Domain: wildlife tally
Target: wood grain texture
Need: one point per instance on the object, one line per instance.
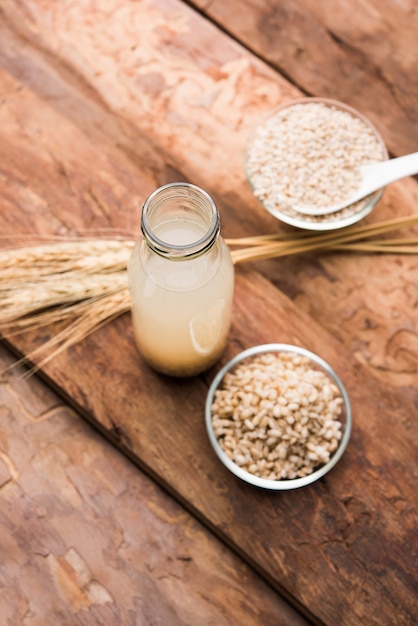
(363, 53)
(335, 534)
(97, 111)
(86, 538)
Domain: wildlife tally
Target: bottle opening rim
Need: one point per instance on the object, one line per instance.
(191, 193)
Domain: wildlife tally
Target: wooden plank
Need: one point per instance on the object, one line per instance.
(93, 540)
(363, 53)
(336, 533)
(332, 535)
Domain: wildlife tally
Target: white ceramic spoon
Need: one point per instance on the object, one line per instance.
(373, 177)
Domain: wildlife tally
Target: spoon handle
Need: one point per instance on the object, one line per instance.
(380, 174)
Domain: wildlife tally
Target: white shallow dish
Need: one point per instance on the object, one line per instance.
(284, 484)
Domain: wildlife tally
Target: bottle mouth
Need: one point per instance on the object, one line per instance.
(177, 202)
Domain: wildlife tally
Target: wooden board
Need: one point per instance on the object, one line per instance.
(90, 539)
(176, 106)
(363, 53)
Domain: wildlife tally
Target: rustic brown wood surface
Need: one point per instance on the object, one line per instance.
(363, 52)
(153, 92)
(86, 538)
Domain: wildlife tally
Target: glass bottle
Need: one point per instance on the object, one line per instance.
(181, 280)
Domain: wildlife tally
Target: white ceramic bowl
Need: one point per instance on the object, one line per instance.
(283, 484)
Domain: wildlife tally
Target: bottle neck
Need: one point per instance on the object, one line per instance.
(180, 221)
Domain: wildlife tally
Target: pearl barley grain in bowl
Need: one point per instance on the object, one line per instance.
(278, 416)
(306, 153)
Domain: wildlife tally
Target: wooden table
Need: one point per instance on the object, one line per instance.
(102, 102)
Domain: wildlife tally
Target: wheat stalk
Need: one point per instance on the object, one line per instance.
(273, 246)
(82, 283)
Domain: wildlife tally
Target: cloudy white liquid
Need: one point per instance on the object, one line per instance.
(181, 309)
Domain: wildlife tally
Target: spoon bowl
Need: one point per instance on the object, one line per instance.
(371, 177)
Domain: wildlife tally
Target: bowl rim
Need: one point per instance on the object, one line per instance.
(299, 221)
(265, 483)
